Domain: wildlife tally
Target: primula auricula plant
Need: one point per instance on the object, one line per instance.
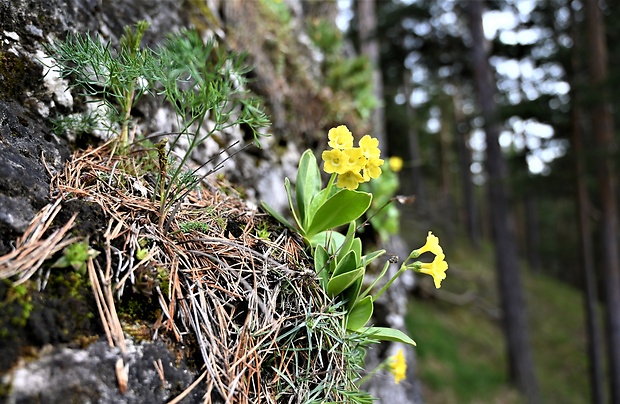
(338, 258)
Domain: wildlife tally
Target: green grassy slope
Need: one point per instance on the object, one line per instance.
(460, 345)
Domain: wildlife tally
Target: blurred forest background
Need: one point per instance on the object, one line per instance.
(504, 113)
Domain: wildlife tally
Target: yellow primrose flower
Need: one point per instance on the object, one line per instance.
(356, 160)
(398, 366)
(370, 147)
(436, 269)
(349, 180)
(336, 161)
(432, 245)
(395, 163)
(371, 169)
(340, 138)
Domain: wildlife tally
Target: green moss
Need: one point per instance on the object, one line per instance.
(17, 75)
(164, 279)
(15, 306)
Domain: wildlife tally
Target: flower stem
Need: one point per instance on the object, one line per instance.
(402, 269)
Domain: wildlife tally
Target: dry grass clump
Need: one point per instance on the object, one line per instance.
(226, 277)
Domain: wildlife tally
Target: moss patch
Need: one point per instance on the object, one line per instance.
(17, 75)
(62, 312)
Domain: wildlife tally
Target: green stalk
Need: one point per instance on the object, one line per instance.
(402, 269)
(369, 288)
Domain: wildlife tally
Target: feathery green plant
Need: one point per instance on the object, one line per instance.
(115, 77)
(201, 81)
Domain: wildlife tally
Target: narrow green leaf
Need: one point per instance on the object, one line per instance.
(287, 186)
(308, 184)
(277, 215)
(348, 241)
(386, 334)
(338, 283)
(339, 209)
(368, 258)
(360, 314)
(321, 265)
(356, 246)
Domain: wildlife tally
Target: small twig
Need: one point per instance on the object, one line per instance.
(159, 368)
(191, 387)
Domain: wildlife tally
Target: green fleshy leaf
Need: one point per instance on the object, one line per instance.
(307, 186)
(360, 314)
(331, 240)
(339, 209)
(321, 265)
(386, 334)
(321, 197)
(351, 293)
(347, 242)
(346, 273)
(338, 283)
(347, 264)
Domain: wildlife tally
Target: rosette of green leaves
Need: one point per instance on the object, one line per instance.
(341, 268)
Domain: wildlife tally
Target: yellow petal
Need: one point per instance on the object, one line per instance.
(340, 138)
(335, 161)
(370, 147)
(349, 180)
(432, 245)
(437, 269)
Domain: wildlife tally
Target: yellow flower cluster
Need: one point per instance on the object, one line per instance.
(437, 269)
(353, 165)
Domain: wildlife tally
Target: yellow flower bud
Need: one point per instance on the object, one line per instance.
(398, 366)
(395, 163)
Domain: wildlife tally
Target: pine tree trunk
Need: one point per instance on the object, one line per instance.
(472, 224)
(515, 323)
(370, 48)
(417, 186)
(602, 126)
(590, 297)
(532, 231)
(588, 270)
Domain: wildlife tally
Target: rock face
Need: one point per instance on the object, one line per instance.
(53, 327)
(89, 376)
(26, 145)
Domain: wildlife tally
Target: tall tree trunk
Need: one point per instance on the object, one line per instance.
(447, 204)
(472, 225)
(590, 298)
(417, 186)
(532, 231)
(588, 271)
(515, 323)
(370, 48)
(602, 125)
